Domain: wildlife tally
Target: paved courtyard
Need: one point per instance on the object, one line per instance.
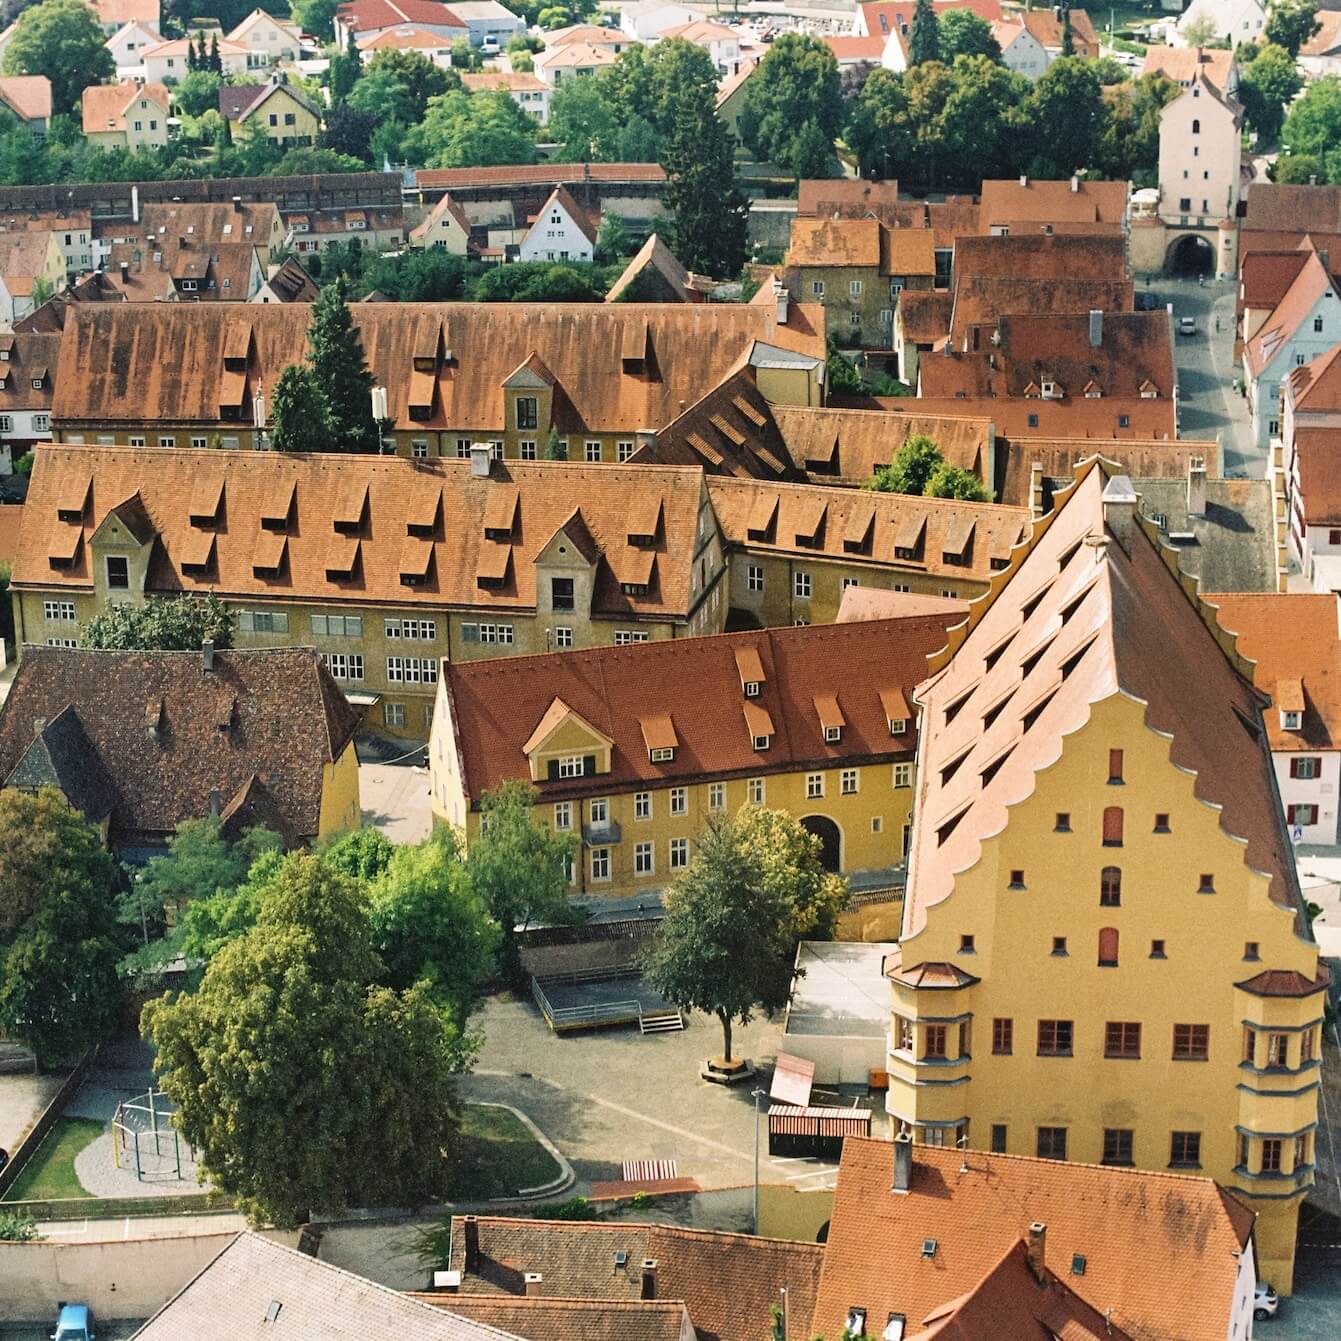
(395, 798)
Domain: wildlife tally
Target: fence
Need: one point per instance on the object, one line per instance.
(562, 1018)
(25, 1149)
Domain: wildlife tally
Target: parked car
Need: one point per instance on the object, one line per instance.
(1265, 1302)
(489, 47)
(74, 1322)
(1187, 325)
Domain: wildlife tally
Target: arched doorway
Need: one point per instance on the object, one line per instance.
(831, 840)
(1191, 254)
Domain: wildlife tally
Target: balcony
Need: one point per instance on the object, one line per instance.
(606, 834)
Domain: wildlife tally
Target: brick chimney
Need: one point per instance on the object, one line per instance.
(1038, 1242)
(470, 1230)
(534, 1282)
(207, 655)
(903, 1163)
(1196, 487)
(649, 1286)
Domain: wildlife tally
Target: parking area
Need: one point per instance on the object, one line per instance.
(41, 1331)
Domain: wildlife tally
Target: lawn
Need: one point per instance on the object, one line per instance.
(50, 1173)
(499, 1156)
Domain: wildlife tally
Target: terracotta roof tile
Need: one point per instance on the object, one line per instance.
(23, 257)
(286, 719)
(408, 38)
(1316, 387)
(29, 357)
(1047, 29)
(104, 105)
(1287, 208)
(1318, 461)
(1161, 1250)
(1286, 982)
(1327, 39)
(834, 242)
(362, 15)
(1053, 202)
(1300, 299)
(655, 268)
(541, 1319)
(264, 486)
(1133, 630)
(1182, 64)
(27, 96)
(924, 315)
(504, 708)
(127, 11)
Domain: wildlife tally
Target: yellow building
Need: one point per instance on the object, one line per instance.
(1105, 955)
(128, 115)
(281, 111)
(636, 748)
(140, 741)
(604, 378)
(385, 565)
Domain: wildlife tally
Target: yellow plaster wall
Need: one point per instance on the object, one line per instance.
(340, 807)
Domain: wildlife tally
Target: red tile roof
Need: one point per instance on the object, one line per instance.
(27, 96)
(104, 105)
(1300, 299)
(1160, 1249)
(1315, 388)
(1318, 461)
(1052, 202)
(1130, 628)
(1265, 276)
(542, 1319)
(899, 13)
(1181, 64)
(499, 706)
(1286, 982)
(30, 358)
(1286, 208)
(361, 15)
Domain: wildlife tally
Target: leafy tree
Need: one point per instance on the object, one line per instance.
(924, 40)
(1066, 111)
(1297, 169)
(1313, 125)
(1290, 23)
(585, 121)
(949, 481)
(59, 942)
(60, 39)
(912, 468)
(361, 853)
(306, 159)
(519, 868)
(1129, 143)
(299, 414)
(522, 63)
(348, 131)
(429, 925)
(465, 56)
(207, 924)
(613, 242)
(682, 74)
(1267, 85)
(419, 276)
(417, 76)
(162, 624)
(345, 68)
(753, 888)
(556, 448)
(198, 93)
(1068, 33)
(303, 1085)
(314, 16)
(216, 63)
(795, 85)
(964, 33)
(709, 215)
(1201, 32)
(844, 379)
(461, 130)
(340, 371)
(979, 118)
(541, 281)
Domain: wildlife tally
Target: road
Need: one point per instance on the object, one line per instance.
(1206, 372)
(41, 1331)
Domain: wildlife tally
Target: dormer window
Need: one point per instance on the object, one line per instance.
(570, 767)
(833, 734)
(664, 755)
(633, 588)
(1291, 721)
(751, 688)
(898, 726)
(762, 742)
(856, 1322)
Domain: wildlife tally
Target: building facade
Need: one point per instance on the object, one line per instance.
(1097, 825)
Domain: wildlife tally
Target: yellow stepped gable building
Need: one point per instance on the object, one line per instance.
(1105, 955)
(636, 748)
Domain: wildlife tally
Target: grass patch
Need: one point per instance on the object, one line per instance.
(50, 1173)
(499, 1156)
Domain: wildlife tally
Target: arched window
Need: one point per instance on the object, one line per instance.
(1113, 826)
(1108, 947)
(1110, 887)
(1196, 128)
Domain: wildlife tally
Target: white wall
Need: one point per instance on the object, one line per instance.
(555, 237)
(1201, 167)
(1320, 791)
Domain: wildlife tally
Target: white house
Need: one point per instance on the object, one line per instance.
(431, 46)
(27, 382)
(645, 20)
(1200, 139)
(614, 40)
(112, 15)
(1238, 20)
(1321, 54)
(269, 41)
(1305, 324)
(561, 232)
(1311, 438)
(445, 227)
(1293, 639)
(1021, 51)
(128, 45)
(167, 62)
(488, 20)
(720, 42)
(572, 61)
(528, 91)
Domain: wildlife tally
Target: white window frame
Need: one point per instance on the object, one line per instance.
(642, 805)
(679, 800)
(850, 781)
(679, 853)
(754, 577)
(644, 858)
(563, 816)
(716, 796)
(814, 786)
(801, 585)
(756, 789)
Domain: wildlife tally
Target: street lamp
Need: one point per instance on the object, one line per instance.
(758, 1094)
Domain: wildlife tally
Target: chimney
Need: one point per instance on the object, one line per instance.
(903, 1163)
(1038, 1242)
(1024, 179)
(649, 1289)
(1096, 328)
(1075, 185)
(1120, 509)
(216, 801)
(237, 204)
(1036, 489)
(207, 655)
(470, 1228)
(781, 297)
(39, 725)
(534, 1280)
(481, 459)
(125, 270)
(1196, 487)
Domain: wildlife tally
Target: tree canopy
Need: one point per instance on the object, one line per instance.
(462, 130)
(924, 40)
(302, 1084)
(340, 372)
(59, 941)
(1290, 23)
(709, 215)
(60, 39)
(1268, 84)
(792, 102)
(964, 33)
(162, 624)
(920, 468)
(753, 889)
(1313, 125)
(299, 415)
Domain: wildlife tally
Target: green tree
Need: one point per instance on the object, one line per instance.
(585, 122)
(415, 78)
(429, 925)
(1068, 33)
(1313, 125)
(613, 242)
(1201, 32)
(307, 159)
(361, 853)
(709, 215)
(345, 68)
(299, 414)
(210, 922)
(162, 624)
(912, 468)
(59, 942)
(1129, 143)
(1290, 23)
(302, 1084)
(1267, 86)
(419, 276)
(60, 39)
(1297, 169)
(216, 63)
(315, 17)
(978, 121)
(461, 130)
(541, 281)
(198, 93)
(924, 41)
(753, 889)
(519, 867)
(348, 131)
(681, 74)
(795, 85)
(964, 33)
(949, 481)
(1065, 110)
(465, 56)
(844, 379)
(340, 372)
(556, 447)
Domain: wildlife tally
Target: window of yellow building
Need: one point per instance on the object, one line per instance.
(642, 859)
(814, 786)
(679, 853)
(849, 780)
(717, 796)
(563, 815)
(755, 787)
